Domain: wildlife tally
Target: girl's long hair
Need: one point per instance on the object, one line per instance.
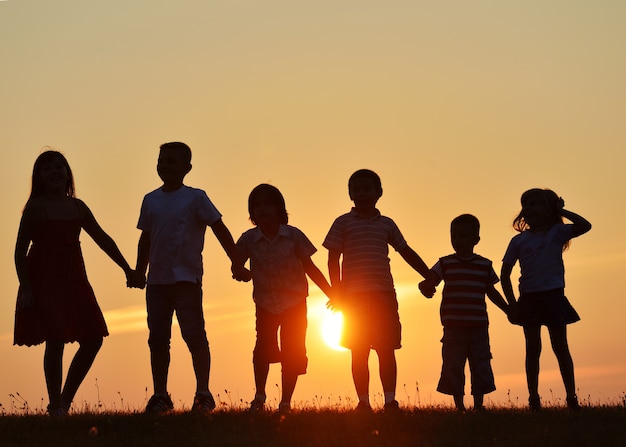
(552, 202)
(49, 156)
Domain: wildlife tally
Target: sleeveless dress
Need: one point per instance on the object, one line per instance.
(64, 305)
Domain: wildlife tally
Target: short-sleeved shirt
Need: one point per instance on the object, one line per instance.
(465, 285)
(276, 265)
(176, 222)
(364, 245)
(540, 255)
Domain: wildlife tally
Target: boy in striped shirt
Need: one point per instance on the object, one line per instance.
(467, 278)
(360, 239)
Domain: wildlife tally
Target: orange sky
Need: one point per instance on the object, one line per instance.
(458, 107)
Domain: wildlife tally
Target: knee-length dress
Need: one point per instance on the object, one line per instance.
(64, 305)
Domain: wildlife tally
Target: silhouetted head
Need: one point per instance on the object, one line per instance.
(264, 197)
(365, 188)
(46, 161)
(540, 208)
(174, 163)
(464, 234)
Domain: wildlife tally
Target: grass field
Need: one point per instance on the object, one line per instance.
(602, 426)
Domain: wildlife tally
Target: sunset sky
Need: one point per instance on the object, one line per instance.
(459, 106)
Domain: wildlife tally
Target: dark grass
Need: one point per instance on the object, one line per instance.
(432, 427)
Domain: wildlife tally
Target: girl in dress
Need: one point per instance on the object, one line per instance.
(55, 302)
(539, 249)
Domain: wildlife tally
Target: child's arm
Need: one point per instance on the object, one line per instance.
(28, 223)
(317, 276)
(103, 240)
(507, 286)
(415, 261)
(496, 298)
(143, 258)
(225, 238)
(334, 268)
(580, 224)
(334, 273)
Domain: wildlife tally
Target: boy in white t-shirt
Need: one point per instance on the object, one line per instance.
(173, 221)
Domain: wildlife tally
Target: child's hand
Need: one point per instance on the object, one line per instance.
(135, 280)
(512, 313)
(240, 273)
(427, 288)
(334, 302)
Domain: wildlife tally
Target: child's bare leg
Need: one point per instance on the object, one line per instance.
(388, 370)
(289, 381)
(261, 370)
(533, 351)
(361, 373)
(558, 338)
(81, 363)
(201, 360)
(478, 401)
(458, 402)
(53, 370)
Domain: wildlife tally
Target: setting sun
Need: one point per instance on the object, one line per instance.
(332, 326)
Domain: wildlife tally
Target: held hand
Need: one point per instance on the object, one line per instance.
(241, 274)
(135, 280)
(427, 288)
(512, 313)
(334, 302)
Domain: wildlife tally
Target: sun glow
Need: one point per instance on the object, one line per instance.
(332, 325)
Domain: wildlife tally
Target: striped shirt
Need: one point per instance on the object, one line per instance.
(466, 282)
(364, 245)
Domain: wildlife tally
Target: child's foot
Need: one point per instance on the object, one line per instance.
(534, 404)
(257, 405)
(159, 404)
(60, 410)
(363, 407)
(572, 403)
(392, 407)
(203, 402)
(284, 408)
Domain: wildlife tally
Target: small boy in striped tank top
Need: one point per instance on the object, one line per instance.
(467, 278)
(358, 263)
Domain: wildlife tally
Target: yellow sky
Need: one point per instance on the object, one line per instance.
(459, 106)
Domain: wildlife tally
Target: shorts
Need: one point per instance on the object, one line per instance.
(547, 308)
(184, 298)
(371, 321)
(288, 327)
(461, 344)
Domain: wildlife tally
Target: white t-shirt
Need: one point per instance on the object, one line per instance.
(176, 222)
(540, 256)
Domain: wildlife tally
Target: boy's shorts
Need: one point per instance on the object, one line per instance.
(461, 344)
(371, 321)
(292, 350)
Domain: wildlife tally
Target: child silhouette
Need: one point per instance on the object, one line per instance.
(56, 303)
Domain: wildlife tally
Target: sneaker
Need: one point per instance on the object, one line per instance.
(363, 407)
(159, 404)
(534, 403)
(61, 410)
(284, 408)
(391, 407)
(572, 403)
(257, 405)
(203, 402)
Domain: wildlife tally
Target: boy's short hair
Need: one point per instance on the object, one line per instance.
(274, 196)
(181, 148)
(368, 175)
(467, 219)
